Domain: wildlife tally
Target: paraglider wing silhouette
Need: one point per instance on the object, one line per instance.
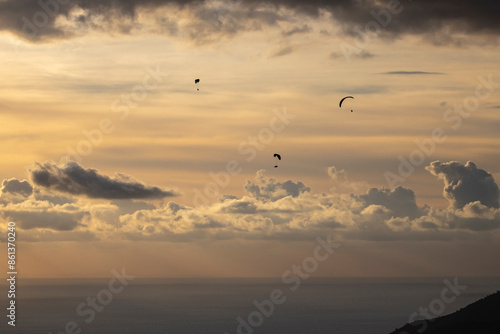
(341, 101)
(196, 81)
(276, 155)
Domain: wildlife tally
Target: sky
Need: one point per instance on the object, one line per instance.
(112, 156)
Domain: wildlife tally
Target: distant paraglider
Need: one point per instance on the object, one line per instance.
(276, 155)
(196, 81)
(341, 101)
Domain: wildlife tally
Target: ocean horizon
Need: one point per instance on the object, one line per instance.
(221, 305)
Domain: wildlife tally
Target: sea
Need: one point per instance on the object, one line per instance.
(236, 305)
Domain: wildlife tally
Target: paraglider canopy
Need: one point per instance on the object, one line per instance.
(196, 81)
(341, 101)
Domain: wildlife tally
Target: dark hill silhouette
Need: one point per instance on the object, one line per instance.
(481, 317)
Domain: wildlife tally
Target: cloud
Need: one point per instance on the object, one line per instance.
(464, 184)
(289, 210)
(270, 190)
(342, 183)
(283, 51)
(273, 210)
(440, 21)
(59, 221)
(412, 73)
(41, 195)
(32, 214)
(128, 206)
(363, 54)
(401, 201)
(297, 30)
(202, 21)
(16, 187)
(477, 217)
(73, 179)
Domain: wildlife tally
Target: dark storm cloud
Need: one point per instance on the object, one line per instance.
(16, 187)
(75, 180)
(465, 184)
(34, 19)
(441, 21)
(437, 19)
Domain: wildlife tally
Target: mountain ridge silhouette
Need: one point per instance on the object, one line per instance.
(480, 317)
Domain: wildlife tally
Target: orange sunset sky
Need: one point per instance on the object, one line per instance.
(112, 156)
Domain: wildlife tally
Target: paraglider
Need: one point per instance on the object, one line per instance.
(195, 82)
(341, 101)
(276, 155)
